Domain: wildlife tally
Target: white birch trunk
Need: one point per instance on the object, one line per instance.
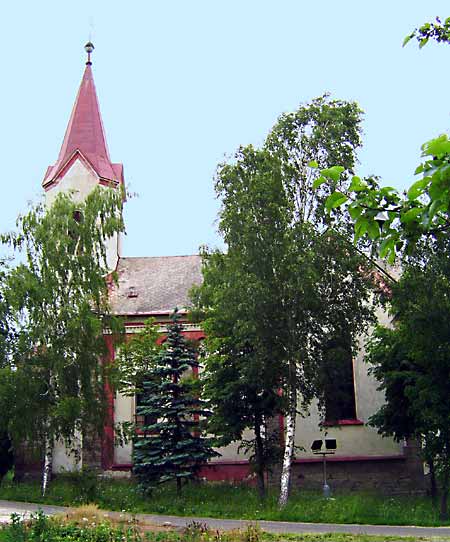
(48, 463)
(288, 448)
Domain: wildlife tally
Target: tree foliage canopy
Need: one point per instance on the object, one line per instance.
(394, 221)
(289, 280)
(52, 381)
(412, 361)
(390, 220)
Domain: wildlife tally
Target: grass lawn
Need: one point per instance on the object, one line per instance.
(227, 501)
(74, 534)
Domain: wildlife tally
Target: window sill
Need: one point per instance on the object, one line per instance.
(341, 423)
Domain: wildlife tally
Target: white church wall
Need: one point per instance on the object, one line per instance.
(368, 398)
(78, 179)
(352, 440)
(232, 452)
(124, 408)
(65, 460)
(357, 440)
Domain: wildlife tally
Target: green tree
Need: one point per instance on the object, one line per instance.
(58, 302)
(412, 361)
(134, 360)
(241, 385)
(6, 339)
(289, 281)
(438, 31)
(6, 455)
(172, 445)
(393, 222)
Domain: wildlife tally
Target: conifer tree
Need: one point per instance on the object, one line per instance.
(172, 445)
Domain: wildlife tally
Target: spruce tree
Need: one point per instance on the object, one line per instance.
(171, 445)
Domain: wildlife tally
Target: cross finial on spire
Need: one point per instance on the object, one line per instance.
(89, 47)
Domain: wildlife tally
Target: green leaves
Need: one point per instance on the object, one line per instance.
(319, 182)
(172, 445)
(437, 147)
(411, 215)
(361, 227)
(408, 39)
(333, 172)
(438, 31)
(357, 185)
(411, 360)
(417, 189)
(387, 246)
(336, 199)
(422, 210)
(373, 230)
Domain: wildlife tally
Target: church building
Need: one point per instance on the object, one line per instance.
(154, 286)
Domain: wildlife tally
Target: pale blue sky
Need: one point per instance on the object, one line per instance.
(181, 84)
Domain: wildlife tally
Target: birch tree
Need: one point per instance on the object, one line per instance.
(289, 279)
(58, 302)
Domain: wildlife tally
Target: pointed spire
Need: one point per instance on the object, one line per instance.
(85, 134)
(89, 47)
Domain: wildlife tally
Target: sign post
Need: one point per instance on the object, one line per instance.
(324, 447)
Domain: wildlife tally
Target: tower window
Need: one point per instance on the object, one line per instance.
(78, 216)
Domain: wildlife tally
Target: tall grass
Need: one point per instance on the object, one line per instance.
(228, 501)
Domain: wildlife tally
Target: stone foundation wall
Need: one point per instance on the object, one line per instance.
(390, 476)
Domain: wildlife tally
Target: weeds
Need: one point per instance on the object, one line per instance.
(43, 529)
(228, 501)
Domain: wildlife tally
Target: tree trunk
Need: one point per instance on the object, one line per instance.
(444, 493)
(48, 463)
(433, 484)
(259, 460)
(444, 498)
(178, 486)
(288, 447)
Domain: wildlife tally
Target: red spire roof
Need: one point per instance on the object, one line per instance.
(85, 136)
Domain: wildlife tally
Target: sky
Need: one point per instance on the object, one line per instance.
(182, 84)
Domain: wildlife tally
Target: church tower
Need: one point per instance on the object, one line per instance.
(83, 161)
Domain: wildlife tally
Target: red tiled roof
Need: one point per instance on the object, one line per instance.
(85, 134)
